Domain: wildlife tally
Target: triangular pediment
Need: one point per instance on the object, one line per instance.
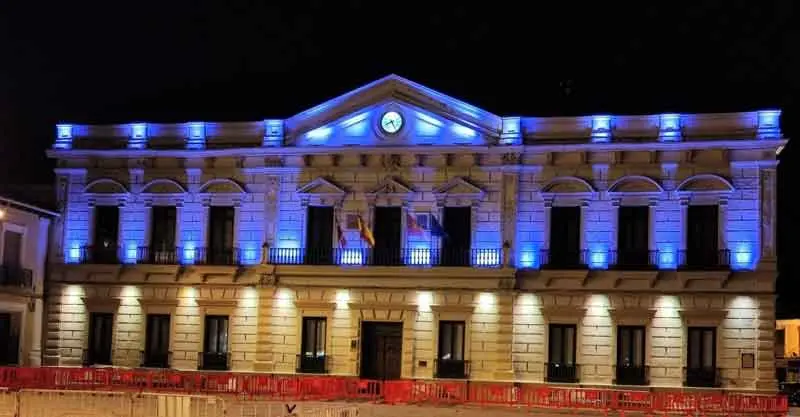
(397, 90)
(459, 187)
(390, 186)
(321, 187)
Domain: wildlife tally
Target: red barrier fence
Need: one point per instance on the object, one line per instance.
(340, 388)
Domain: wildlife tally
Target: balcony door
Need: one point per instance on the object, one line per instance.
(319, 236)
(105, 247)
(220, 249)
(215, 343)
(565, 237)
(702, 236)
(156, 353)
(388, 234)
(457, 240)
(162, 236)
(633, 242)
(12, 250)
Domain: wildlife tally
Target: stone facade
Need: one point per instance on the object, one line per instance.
(510, 172)
(24, 238)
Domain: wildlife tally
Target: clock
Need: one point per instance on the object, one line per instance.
(391, 122)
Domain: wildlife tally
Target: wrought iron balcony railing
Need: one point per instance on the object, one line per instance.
(633, 259)
(561, 372)
(467, 257)
(703, 377)
(213, 256)
(632, 375)
(158, 255)
(452, 368)
(16, 277)
(704, 259)
(558, 259)
(307, 364)
(213, 361)
(102, 254)
(96, 357)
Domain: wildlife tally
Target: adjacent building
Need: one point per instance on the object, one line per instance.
(396, 232)
(24, 238)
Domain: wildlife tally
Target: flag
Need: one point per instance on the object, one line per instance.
(412, 225)
(340, 232)
(436, 228)
(366, 234)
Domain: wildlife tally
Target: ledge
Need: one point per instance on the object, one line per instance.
(217, 303)
(158, 303)
(382, 306)
(101, 303)
(452, 309)
(314, 304)
(631, 315)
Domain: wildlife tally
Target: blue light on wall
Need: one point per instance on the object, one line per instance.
(426, 125)
(528, 258)
(352, 256)
(743, 258)
(601, 128)
(598, 258)
(196, 135)
(419, 256)
(667, 258)
(138, 136)
(273, 132)
(73, 254)
(189, 253)
(319, 135)
(130, 252)
(512, 132)
(486, 257)
(250, 255)
(63, 136)
(669, 129)
(769, 125)
(463, 131)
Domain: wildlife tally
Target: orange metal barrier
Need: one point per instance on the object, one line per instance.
(342, 388)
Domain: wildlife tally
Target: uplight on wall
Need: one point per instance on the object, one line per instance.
(63, 136)
(598, 258)
(601, 128)
(669, 129)
(196, 135)
(138, 136)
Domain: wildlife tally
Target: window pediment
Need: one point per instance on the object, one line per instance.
(105, 186)
(163, 186)
(567, 185)
(390, 187)
(705, 183)
(459, 188)
(321, 190)
(222, 186)
(635, 185)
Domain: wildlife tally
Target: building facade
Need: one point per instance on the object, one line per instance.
(396, 232)
(24, 239)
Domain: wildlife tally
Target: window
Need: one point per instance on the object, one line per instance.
(457, 239)
(631, 368)
(156, 353)
(312, 357)
(702, 236)
(12, 249)
(565, 237)
(9, 334)
(780, 343)
(105, 247)
(319, 236)
(100, 334)
(388, 234)
(702, 357)
(562, 346)
(632, 237)
(450, 362)
(162, 236)
(220, 249)
(215, 343)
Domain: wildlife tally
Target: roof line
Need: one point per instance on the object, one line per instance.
(12, 202)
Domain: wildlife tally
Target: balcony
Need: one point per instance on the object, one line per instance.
(699, 260)
(703, 377)
(213, 361)
(106, 254)
(633, 259)
(216, 256)
(387, 257)
(16, 277)
(561, 372)
(549, 259)
(158, 256)
(307, 364)
(632, 375)
(452, 368)
(155, 359)
(92, 357)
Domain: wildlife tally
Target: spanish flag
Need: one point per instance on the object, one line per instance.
(366, 234)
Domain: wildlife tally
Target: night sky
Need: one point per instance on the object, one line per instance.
(177, 61)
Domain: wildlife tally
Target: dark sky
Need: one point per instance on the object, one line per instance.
(177, 61)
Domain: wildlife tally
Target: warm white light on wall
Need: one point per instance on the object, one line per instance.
(2, 214)
(743, 302)
(284, 298)
(130, 293)
(424, 300)
(249, 297)
(487, 301)
(342, 298)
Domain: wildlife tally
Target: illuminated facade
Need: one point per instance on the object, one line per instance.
(631, 250)
(24, 238)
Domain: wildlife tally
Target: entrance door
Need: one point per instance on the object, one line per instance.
(156, 352)
(100, 334)
(9, 349)
(381, 350)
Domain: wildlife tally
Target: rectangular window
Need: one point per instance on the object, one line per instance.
(562, 344)
(215, 343)
(780, 343)
(100, 337)
(701, 357)
(312, 357)
(702, 236)
(633, 242)
(631, 368)
(12, 249)
(450, 362)
(457, 241)
(9, 334)
(156, 353)
(388, 234)
(565, 237)
(319, 236)
(105, 247)
(162, 236)
(220, 249)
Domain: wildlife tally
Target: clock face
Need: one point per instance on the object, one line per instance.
(391, 122)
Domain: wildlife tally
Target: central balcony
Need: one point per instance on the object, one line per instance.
(16, 277)
(481, 258)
